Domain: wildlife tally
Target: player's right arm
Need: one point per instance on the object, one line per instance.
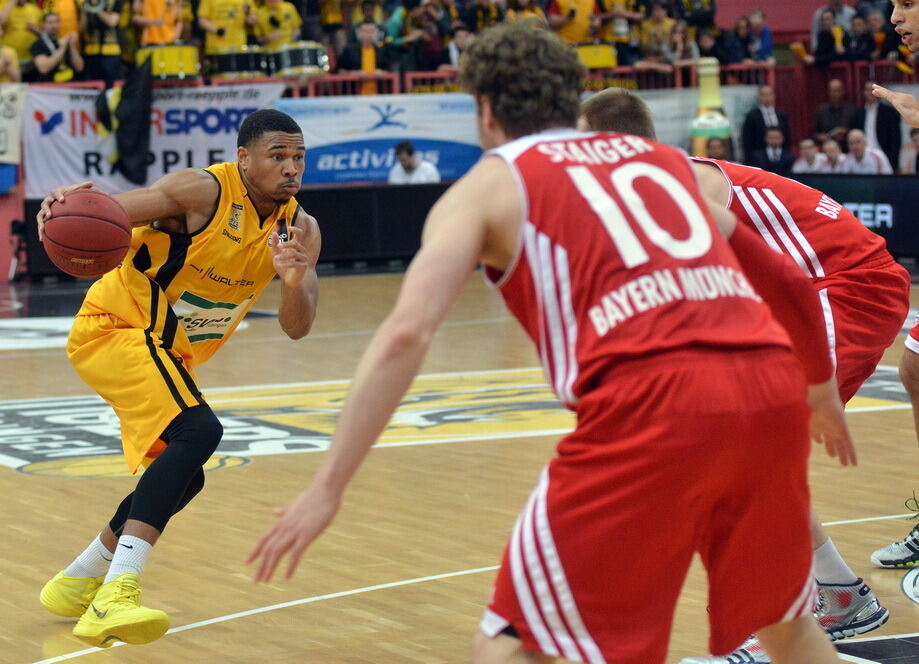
(191, 192)
(907, 105)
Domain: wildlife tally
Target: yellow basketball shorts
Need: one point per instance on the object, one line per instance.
(146, 381)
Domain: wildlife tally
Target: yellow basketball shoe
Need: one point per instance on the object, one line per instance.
(69, 596)
(115, 614)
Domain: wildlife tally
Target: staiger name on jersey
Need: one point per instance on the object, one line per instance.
(595, 150)
(661, 287)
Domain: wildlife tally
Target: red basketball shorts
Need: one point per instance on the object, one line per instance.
(864, 311)
(689, 451)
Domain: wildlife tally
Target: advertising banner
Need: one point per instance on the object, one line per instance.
(352, 139)
(190, 128)
(12, 101)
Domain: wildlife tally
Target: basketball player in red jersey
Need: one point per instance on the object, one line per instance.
(905, 17)
(864, 295)
(607, 254)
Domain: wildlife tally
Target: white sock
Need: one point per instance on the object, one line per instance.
(94, 561)
(830, 567)
(130, 556)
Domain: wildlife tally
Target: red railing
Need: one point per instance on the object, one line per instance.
(431, 81)
(351, 84)
(633, 78)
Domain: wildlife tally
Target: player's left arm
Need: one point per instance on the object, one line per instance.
(453, 242)
(295, 261)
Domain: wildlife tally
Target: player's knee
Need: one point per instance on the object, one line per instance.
(198, 431)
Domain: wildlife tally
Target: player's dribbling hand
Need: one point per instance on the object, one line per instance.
(57, 194)
(299, 525)
(906, 104)
(828, 422)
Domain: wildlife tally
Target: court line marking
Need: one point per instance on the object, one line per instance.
(283, 605)
(870, 518)
(881, 638)
(856, 660)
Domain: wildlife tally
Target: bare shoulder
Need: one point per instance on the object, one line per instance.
(489, 190)
(711, 181)
(306, 221)
(194, 189)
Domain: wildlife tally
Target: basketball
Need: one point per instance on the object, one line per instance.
(87, 234)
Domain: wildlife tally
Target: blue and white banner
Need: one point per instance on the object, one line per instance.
(352, 139)
(189, 128)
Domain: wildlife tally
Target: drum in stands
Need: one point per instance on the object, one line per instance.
(597, 55)
(237, 62)
(171, 61)
(296, 58)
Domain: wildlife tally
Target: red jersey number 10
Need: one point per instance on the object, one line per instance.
(622, 232)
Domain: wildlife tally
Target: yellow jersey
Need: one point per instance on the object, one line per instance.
(16, 32)
(286, 19)
(229, 15)
(209, 278)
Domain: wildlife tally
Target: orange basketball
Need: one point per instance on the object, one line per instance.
(88, 234)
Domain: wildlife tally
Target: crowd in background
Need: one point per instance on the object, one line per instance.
(63, 40)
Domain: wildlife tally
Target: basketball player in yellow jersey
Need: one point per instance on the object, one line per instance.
(205, 244)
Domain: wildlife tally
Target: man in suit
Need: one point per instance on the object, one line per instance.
(881, 124)
(775, 157)
(765, 115)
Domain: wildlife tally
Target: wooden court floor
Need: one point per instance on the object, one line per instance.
(404, 572)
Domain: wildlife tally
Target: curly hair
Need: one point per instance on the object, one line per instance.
(531, 78)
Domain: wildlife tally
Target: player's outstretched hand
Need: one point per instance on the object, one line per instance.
(828, 422)
(906, 104)
(291, 258)
(57, 194)
(300, 524)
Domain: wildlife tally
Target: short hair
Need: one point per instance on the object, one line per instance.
(805, 140)
(368, 21)
(47, 14)
(775, 128)
(531, 79)
(615, 109)
(405, 147)
(263, 121)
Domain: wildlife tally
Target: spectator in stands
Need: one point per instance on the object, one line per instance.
(449, 12)
(833, 42)
(909, 155)
(224, 23)
(886, 41)
(411, 168)
(69, 13)
(435, 26)
(834, 118)
(405, 31)
(517, 9)
(655, 30)
(698, 14)
(881, 124)
(159, 21)
(864, 160)
(619, 21)
(460, 41)
(56, 58)
(775, 157)
(717, 148)
(332, 22)
(278, 24)
(765, 114)
(680, 50)
(835, 159)
(842, 15)
(367, 10)
(10, 72)
(481, 14)
(21, 22)
(811, 159)
(367, 56)
(653, 60)
(574, 20)
(710, 48)
(861, 44)
(738, 42)
(101, 39)
(762, 38)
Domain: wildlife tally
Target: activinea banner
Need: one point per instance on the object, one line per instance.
(352, 139)
(190, 128)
